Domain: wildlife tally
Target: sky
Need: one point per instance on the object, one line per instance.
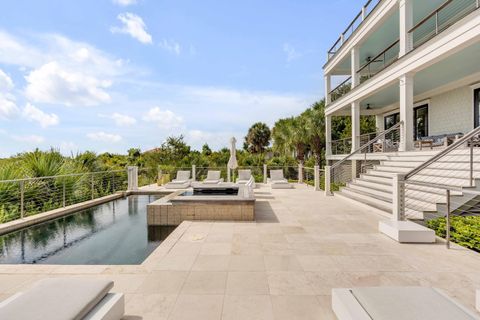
(109, 75)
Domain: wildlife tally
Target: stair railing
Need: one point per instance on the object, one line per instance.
(423, 192)
(355, 163)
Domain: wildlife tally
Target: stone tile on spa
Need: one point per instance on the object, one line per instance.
(186, 249)
(247, 283)
(166, 282)
(257, 307)
(289, 283)
(153, 304)
(176, 263)
(216, 248)
(196, 307)
(296, 308)
(246, 263)
(211, 263)
(205, 282)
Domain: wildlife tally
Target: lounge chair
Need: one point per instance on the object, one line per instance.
(181, 182)
(65, 298)
(397, 303)
(213, 177)
(245, 176)
(277, 181)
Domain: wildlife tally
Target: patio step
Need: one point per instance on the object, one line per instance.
(368, 199)
(374, 178)
(385, 194)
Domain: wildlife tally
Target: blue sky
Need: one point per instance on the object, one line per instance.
(107, 75)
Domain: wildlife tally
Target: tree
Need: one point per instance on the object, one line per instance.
(315, 125)
(258, 138)
(206, 150)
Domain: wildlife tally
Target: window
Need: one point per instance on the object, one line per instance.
(391, 120)
(476, 107)
(420, 121)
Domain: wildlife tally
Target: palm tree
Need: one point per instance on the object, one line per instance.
(258, 137)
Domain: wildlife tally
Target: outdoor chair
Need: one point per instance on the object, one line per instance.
(213, 177)
(181, 182)
(65, 298)
(441, 140)
(245, 176)
(385, 145)
(397, 303)
(277, 180)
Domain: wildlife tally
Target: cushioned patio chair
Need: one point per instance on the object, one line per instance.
(181, 182)
(65, 298)
(245, 176)
(277, 180)
(397, 303)
(213, 177)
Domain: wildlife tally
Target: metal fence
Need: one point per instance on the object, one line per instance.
(25, 197)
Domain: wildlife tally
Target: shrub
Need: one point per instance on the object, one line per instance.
(463, 230)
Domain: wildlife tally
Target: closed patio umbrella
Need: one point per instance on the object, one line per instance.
(232, 162)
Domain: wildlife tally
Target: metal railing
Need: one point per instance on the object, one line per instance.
(440, 19)
(357, 162)
(352, 27)
(344, 146)
(380, 62)
(20, 198)
(455, 168)
(342, 89)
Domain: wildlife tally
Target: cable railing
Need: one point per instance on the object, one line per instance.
(350, 167)
(455, 168)
(20, 198)
(344, 146)
(440, 19)
(352, 27)
(380, 62)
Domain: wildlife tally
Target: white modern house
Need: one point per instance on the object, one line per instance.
(415, 66)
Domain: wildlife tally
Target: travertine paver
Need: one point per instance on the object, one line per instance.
(283, 266)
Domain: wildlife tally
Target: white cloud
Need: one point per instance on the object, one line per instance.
(291, 52)
(134, 26)
(29, 138)
(165, 119)
(124, 3)
(170, 46)
(68, 147)
(52, 83)
(32, 113)
(8, 107)
(121, 120)
(104, 137)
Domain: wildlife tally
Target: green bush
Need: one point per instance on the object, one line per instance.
(463, 230)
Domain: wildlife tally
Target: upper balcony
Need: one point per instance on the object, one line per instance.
(381, 45)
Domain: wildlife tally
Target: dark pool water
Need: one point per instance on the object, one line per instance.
(112, 233)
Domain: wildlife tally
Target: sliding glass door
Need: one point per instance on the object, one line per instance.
(420, 121)
(476, 106)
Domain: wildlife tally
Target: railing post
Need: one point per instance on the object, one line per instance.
(22, 195)
(471, 163)
(300, 173)
(63, 193)
(113, 182)
(93, 187)
(328, 187)
(447, 221)
(364, 13)
(194, 172)
(398, 199)
(229, 175)
(132, 178)
(264, 173)
(316, 177)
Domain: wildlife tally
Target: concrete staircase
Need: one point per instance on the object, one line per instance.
(374, 187)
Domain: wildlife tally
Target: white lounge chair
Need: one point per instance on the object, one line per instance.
(245, 176)
(213, 177)
(277, 180)
(397, 303)
(181, 182)
(65, 298)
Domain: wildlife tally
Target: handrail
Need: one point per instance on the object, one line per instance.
(360, 136)
(378, 55)
(439, 155)
(341, 84)
(61, 176)
(434, 12)
(381, 134)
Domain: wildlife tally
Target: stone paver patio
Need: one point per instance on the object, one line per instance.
(283, 266)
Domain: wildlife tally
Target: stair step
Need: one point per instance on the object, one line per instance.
(375, 178)
(371, 201)
(378, 185)
(371, 191)
(392, 169)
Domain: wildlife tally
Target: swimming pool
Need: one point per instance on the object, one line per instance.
(112, 233)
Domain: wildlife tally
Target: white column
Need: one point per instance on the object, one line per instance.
(406, 23)
(132, 178)
(398, 197)
(328, 88)
(379, 122)
(328, 191)
(406, 112)
(355, 65)
(316, 177)
(355, 125)
(328, 135)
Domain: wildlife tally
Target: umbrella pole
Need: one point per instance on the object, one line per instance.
(228, 175)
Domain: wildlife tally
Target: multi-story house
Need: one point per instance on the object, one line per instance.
(415, 66)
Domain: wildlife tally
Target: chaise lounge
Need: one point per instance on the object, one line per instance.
(397, 303)
(277, 180)
(181, 182)
(245, 176)
(65, 298)
(213, 177)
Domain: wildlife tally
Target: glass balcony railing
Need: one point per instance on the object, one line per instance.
(342, 89)
(379, 62)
